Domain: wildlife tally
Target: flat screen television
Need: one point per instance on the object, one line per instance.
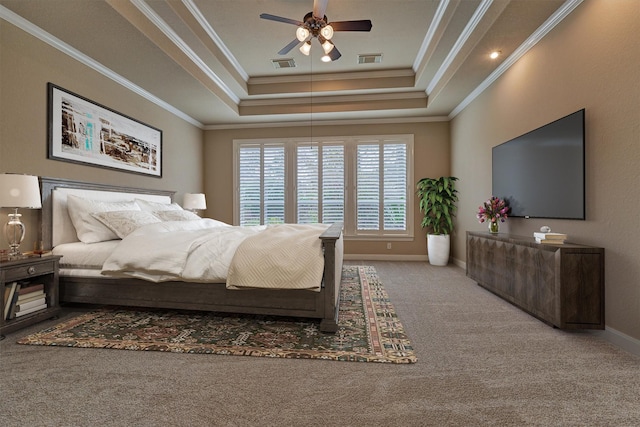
(541, 174)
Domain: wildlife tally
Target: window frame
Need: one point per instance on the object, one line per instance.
(350, 170)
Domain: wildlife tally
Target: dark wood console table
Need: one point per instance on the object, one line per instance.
(562, 285)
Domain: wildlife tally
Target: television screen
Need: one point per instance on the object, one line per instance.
(541, 173)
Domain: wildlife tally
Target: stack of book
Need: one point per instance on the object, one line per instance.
(21, 299)
(550, 238)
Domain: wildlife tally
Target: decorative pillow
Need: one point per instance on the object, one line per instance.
(147, 205)
(88, 228)
(124, 223)
(176, 215)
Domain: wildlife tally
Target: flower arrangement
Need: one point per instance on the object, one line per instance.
(493, 210)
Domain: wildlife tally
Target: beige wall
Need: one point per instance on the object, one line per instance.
(26, 65)
(431, 158)
(590, 60)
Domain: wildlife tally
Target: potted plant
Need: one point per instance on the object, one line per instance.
(438, 199)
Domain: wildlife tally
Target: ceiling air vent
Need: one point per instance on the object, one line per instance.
(370, 58)
(283, 63)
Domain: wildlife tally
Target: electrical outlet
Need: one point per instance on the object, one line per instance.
(388, 245)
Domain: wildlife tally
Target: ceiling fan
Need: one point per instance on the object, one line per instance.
(316, 25)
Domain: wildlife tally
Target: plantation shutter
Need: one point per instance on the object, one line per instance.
(333, 183)
(320, 183)
(368, 187)
(381, 188)
(308, 184)
(295, 180)
(261, 184)
(395, 186)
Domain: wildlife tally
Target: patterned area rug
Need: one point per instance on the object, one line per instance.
(369, 329)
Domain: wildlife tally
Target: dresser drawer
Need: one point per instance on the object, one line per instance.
(21, 272)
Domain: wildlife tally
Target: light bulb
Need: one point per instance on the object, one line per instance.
(494, 54)
(327, 46)
(326, 58)
(327, 32)
(306, 48)
(302, 33)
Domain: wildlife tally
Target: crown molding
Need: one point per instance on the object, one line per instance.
(537, 35)
(460, 42)
(156, 20)
(199, 17)
(352, 75)
(347, 122)
(63, 47)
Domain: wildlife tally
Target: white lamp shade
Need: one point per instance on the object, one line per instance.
(19, 191)
(194, 201)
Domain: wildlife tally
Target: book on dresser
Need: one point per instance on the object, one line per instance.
(30, 288)
(22, 307)
(31, 296)
(10, 310)
(552, 238)
(31, 310)
(23, 298)
(9, 291)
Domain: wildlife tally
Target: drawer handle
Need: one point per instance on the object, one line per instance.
(31, 270)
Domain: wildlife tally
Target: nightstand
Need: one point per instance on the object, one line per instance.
(29, 271)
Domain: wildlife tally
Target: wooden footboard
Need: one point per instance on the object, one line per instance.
(332, 244)
(321, 305)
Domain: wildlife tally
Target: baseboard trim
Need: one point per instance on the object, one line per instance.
(382, 257)
(621, 340)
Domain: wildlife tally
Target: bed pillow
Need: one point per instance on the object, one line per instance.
(88, 228)
(123, 223)
(147, 205)
(176, 215)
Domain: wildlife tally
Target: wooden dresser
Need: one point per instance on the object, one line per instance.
(562, 285)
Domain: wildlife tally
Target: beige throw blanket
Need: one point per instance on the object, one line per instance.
(284, 256)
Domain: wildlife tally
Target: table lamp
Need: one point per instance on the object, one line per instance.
(194, 202)
(18, 191)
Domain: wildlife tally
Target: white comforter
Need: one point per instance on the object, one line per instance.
(204, 250)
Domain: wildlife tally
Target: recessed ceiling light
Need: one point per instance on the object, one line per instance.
(495, 54)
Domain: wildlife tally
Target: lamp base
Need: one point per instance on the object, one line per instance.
(14, 231)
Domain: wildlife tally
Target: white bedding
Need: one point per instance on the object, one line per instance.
(85, 255)
(203, 251)
(285, 256)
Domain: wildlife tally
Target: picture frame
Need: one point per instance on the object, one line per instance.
(83, 131)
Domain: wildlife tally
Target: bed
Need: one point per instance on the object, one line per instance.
(83, 281)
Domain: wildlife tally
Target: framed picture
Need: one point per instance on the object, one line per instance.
(82, 131)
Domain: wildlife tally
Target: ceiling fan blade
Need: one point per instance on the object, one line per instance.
(334, 54)
(319, 8)
(362, 25)
(288, 47)
(280, 19)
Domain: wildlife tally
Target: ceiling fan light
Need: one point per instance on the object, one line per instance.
(327, 32)
(327, 46)
(306, 48)
(326, 58)
(302, 33)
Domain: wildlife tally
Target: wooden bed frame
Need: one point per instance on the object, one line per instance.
(198, 296)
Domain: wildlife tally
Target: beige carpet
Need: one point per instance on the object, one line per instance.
(482, 362)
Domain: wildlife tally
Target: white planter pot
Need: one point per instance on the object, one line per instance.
(438, 246)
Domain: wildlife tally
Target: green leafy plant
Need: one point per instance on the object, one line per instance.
(438, 199)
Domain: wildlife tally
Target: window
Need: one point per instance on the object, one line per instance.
(361, 181)
(261, 184)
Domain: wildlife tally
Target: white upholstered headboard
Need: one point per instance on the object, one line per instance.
(63, 231)
(57, 227)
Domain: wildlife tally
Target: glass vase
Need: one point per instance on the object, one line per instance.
(493, 227)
